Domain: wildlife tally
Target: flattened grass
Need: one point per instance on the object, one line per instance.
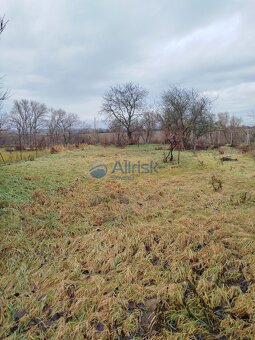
(160, 256)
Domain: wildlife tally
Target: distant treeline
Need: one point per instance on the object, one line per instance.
(182, 116)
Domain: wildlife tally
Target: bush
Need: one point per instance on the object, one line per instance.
(246, 148)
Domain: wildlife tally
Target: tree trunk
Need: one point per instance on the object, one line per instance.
(248, 141)
(231, 138)
(179, 155)
(129, 133)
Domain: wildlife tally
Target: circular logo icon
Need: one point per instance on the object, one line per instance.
(98, 170)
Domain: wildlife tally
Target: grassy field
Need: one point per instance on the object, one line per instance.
(16, 156)
(156, 256)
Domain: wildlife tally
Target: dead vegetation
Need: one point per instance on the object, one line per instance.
(108, 259)
(216, 183)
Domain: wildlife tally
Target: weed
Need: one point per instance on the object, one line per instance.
(216, 183)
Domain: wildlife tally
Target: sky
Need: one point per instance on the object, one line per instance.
(67, 54)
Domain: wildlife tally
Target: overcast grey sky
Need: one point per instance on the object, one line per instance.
(67, 53)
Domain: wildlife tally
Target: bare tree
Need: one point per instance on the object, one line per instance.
(223, 122)
(19, 120)
(60, 126)
(229, 126)
(172, 142)
(203, 121)
(125, 104)
(185, 113)
(3, 124)
(68, 125)
(3, 23)
(3, 121)
(234, 127)
(37, 119)
(175, 111)
(53, 125)
(83, 132)
(148, 123)
(28, 117)
(119, 132)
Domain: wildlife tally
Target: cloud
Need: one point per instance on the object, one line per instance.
(67, 53)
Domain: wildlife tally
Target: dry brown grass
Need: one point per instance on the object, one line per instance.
(163, 256)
